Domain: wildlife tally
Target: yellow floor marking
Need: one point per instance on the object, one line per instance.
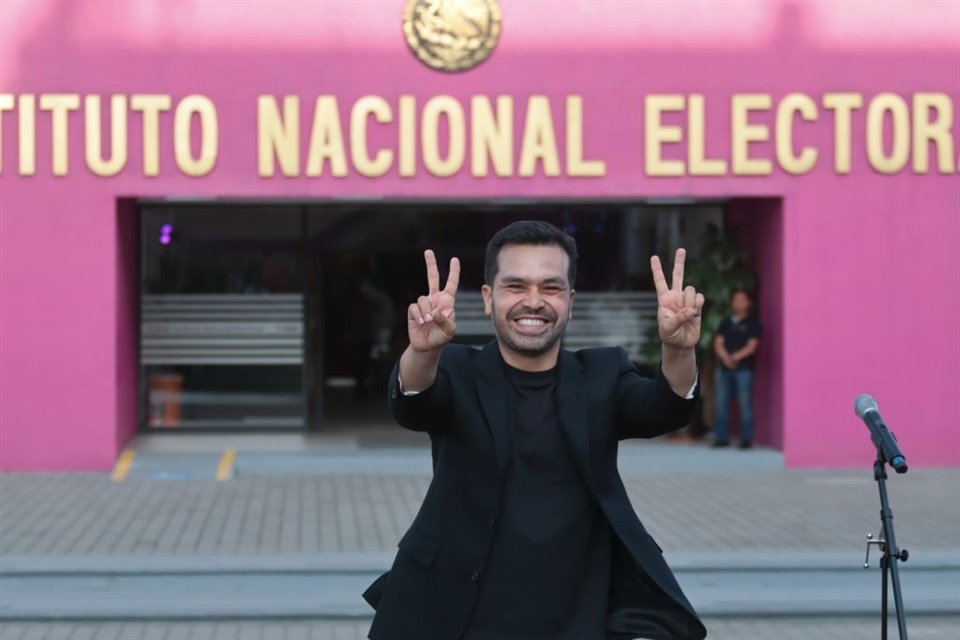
(225, 468)
(124, 462)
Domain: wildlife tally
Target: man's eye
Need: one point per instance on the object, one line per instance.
(552, 289)
(515, 287)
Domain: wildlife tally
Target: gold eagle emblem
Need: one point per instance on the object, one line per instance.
(452, 35)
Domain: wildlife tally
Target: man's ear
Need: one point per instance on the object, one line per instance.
(487, 293)
(573, 294)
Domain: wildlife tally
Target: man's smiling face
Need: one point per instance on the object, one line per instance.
(530, 299)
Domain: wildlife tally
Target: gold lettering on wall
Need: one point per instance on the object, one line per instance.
(656, 134)
(539, 140)
(794, 103)
(697, 161)
(326, 140)
(842, 105)
(456, 149)
(202, 107)
(94, 135)
(936, 131)
(491, 136)
(362, 162)
(150, 105)
(893, 129)
(6, 104)
(742, 133)
(893, 104)
(407, 137)
(577, 165)
(59, 105)
(278, 138)
(27, 134)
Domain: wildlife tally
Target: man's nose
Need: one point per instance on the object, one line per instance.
(534, 298)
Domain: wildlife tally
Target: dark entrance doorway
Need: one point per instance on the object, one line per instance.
(289, 316)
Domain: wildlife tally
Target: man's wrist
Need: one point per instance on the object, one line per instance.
(404, 391)
(679, 366)
(418, 369)
(432, 351)
(677, 351)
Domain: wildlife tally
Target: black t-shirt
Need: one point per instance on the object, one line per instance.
(548, 573)
(736, 333)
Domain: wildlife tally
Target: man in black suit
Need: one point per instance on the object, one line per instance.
(526, 530)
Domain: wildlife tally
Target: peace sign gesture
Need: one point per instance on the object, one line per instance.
(431, 321)
(678, 309)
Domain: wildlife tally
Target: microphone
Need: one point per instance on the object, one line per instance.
(883, 440)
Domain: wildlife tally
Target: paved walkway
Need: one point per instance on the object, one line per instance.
(294, 503)
(294, 514)
(840, 628)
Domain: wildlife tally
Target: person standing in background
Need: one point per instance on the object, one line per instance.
(736, 345)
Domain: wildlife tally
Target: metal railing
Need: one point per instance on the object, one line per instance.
(256, 328)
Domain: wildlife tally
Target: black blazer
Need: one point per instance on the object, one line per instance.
(430, 590)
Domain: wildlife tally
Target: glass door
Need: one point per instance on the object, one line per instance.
(222, 317)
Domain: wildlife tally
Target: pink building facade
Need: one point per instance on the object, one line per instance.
(835, 125)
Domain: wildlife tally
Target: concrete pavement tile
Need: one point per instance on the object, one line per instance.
(226, 631)
(109, 631)
(202, 631)
(155, 631)
(59, 631)
(297, 631)
(133, 631)
(85, 632)
(250, 631)
(345, 631)
(35, 632)
(12, 630)
(183, 630)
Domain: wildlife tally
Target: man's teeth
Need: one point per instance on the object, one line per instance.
(531, 322)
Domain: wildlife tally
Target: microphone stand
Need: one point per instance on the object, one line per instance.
(890, 554)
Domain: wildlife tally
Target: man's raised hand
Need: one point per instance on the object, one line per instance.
(678, 309)
(431, 320)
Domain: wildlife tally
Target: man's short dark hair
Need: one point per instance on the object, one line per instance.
(530, 232)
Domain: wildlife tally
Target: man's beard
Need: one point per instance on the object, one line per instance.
(524, 344)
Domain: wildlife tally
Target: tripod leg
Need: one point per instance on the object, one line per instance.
(884, 568)
(898, 601)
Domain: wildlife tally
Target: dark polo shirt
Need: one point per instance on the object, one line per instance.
(736, 333)
(549, 569)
